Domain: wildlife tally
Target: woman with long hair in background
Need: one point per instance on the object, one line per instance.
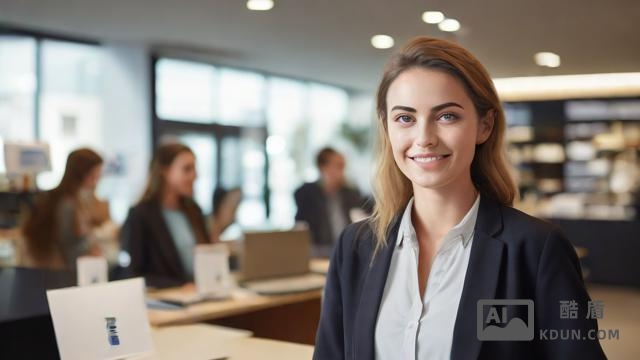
(59, 228)
(162, 229)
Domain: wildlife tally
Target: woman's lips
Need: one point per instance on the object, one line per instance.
(429, 161)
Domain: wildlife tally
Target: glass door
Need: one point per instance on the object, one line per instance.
(243, 164)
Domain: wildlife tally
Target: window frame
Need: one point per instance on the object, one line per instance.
(39, 37)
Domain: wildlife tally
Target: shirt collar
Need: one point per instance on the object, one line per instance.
(406, 226)
(466, 226)
(462, 231)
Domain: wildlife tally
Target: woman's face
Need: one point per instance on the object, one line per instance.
(433, 128)
(180, 175)
(90, 181)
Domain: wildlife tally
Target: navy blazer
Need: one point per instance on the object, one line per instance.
(513, 256)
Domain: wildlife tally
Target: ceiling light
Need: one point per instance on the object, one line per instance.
(547, 59)
(432, 17)
(260, 5)
(449, 25)
(382, 41)
(568, 86)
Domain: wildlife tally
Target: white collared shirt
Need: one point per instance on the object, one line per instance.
(411, 327)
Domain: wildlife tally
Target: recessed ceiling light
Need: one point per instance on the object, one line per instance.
(449, 25)
(547, 59)
(382, 41)
(260, 5)
(432, 17)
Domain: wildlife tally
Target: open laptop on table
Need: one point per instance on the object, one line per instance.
(277, 262)
(102, 321)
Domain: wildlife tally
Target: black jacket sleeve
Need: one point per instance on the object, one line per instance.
(330, 335)
(559, 279)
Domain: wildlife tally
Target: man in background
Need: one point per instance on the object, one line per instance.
(328, 205)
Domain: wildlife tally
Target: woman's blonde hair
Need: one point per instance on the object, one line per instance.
(489, 169)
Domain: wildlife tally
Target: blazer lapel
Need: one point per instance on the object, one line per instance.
(371, 296)
(481, 279)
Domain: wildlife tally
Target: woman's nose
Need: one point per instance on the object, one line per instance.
(427, 134)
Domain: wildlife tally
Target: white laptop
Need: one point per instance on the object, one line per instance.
(277, 262)
(212, 278)
(102, 321)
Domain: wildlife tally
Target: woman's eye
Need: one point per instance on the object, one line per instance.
(404, 118)
(448, 117)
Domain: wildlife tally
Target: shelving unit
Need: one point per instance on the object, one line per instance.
(533, 127)
(577, 158)
(596, 177)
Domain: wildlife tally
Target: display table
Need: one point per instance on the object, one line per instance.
(291, 317)
(215, 342)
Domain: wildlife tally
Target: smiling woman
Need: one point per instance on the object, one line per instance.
(407, 282)
(162, 229)
(433, 137)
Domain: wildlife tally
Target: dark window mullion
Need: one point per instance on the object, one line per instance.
(155, 121)
(37, 95)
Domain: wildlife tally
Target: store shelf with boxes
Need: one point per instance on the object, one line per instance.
(578, 164)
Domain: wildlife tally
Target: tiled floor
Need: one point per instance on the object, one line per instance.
(621, 312)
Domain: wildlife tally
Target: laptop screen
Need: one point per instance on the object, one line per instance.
(276, 253)
(102, 321)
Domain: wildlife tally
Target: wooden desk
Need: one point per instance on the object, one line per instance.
(196, 341)
(320, 266)
(292, 317)
(254, 348)
(207, 342)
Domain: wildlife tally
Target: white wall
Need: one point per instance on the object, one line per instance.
(126, 124)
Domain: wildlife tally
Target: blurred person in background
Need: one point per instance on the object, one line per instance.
(160, 232)
(328, 205)
(68, 221)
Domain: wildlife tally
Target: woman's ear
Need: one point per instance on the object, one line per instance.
(485, 126)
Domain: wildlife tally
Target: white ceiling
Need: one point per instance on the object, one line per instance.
(328, 40)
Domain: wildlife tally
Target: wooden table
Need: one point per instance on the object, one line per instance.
(214, 342)
(291, 317)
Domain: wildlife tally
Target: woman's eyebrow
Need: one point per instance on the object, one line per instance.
(404, 108)
(433, 109)
(446, 105)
